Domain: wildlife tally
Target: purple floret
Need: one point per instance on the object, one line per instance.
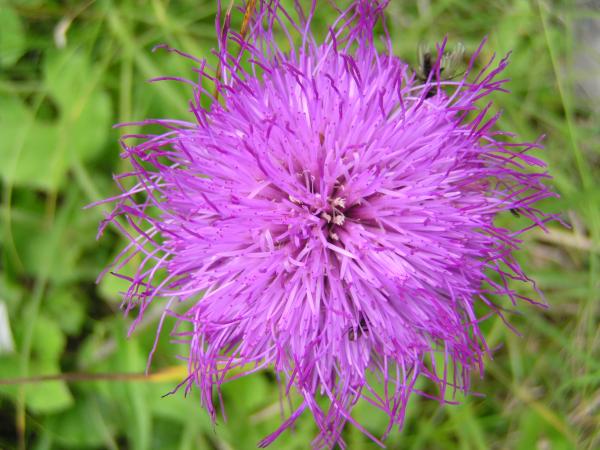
(329, 217)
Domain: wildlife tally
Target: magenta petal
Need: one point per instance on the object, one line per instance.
(329, 219)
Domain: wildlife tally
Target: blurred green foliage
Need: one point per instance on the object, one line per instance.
(71, 69)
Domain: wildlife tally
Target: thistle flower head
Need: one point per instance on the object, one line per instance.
(329, 217)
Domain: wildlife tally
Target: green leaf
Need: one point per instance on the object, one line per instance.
(66, 309)
(534, 432)
(48, 344)
(67, 426)
(38, 153)
(27, 150)
(86, 125)
(178, 407)
(12, 37)
(41, 397)
(58, 252)
(111, 288)
(9, 368)
(49, 396)
(129, 358)
(48, 340)
(85, 110)
(84, 117)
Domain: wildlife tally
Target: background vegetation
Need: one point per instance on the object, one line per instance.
(71, 69)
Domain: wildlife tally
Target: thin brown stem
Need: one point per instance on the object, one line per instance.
(171, 373)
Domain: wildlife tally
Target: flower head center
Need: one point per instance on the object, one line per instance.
(335, 213)
(332, 213)
(334, 216)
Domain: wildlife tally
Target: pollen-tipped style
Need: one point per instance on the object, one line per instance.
(329, 216)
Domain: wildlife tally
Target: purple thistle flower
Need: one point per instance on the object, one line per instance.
(329, 217)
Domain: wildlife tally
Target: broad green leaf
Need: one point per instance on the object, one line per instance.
(84, 108)
(67, 309)
(48, 340)
(9, 368)
(38, 153)
(67, 427)
(27, 147)
(47, 346)
(12, 36)
(49, 396)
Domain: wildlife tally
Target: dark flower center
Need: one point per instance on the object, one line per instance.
(333, 213)
(334, 216)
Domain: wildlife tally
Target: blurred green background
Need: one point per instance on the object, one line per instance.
(69, 70)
